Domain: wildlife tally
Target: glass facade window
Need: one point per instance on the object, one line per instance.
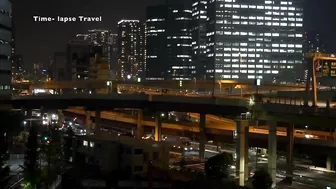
(256, 33)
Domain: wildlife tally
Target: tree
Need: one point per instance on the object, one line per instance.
(261, 180)
(217, 166)
(30, 165)
(67, 145)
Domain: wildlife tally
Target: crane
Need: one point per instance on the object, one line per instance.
(315, 66)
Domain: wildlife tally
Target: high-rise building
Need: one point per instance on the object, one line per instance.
(168, 42)
(99, 37)
(179, 40)
(156, 42)
(255, 39)
(131, 51)
(113, 54)
(5, 49)
(78, 60)
(199, 37)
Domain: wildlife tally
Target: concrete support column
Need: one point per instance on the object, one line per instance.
(140, 127)
(272, 150)
(290, 151)
(202, 136)
(97, 122)
(329, 165)
(88, 122)
(242, 151)
(158, 127)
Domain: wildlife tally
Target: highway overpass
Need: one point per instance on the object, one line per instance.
(279, 110)
(190, 85)
(216, 125)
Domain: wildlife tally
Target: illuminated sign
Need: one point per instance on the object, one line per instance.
(325, 69)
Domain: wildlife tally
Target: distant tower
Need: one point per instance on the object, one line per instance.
(131, 51)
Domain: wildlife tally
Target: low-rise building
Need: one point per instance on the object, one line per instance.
(121, 153)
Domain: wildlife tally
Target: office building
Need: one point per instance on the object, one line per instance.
(199, 38)
(179, 40)
(156, 42)
(99, 37)
(259, 39)
(121, 153)
(168, 42)
(5, 49)
(78, 60)
(113, 54)
(131, 51)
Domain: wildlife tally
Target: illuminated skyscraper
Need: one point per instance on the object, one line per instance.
(255, 39)
(199, 38)
(131, 51)
(179, 41)
(156, 38)
(168, 37)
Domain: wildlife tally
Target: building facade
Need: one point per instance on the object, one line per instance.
(259, 39)
(168, 42)
(131, 50)
(121, 153)
(78, 60)
(179, 40)
(199, 38)
(5, 48)
(113, 54)
(156, 42)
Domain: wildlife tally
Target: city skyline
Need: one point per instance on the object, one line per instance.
(43, 34)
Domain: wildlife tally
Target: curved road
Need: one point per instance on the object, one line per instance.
(212, 122)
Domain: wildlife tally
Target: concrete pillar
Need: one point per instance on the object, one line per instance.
(88, 122)
(97, 122)
(272, 150)
(329, 165)
(242, 151)
(158, 127)
(202, 137)
(290, 151)
(140, 127)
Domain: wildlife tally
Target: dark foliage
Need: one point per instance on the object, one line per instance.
(261, 180)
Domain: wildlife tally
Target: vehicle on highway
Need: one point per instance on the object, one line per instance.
(126, 134)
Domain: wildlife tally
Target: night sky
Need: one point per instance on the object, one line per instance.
(37, 41)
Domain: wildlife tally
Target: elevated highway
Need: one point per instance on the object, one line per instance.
(192, 84)
(283, 110)
(215, 125)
